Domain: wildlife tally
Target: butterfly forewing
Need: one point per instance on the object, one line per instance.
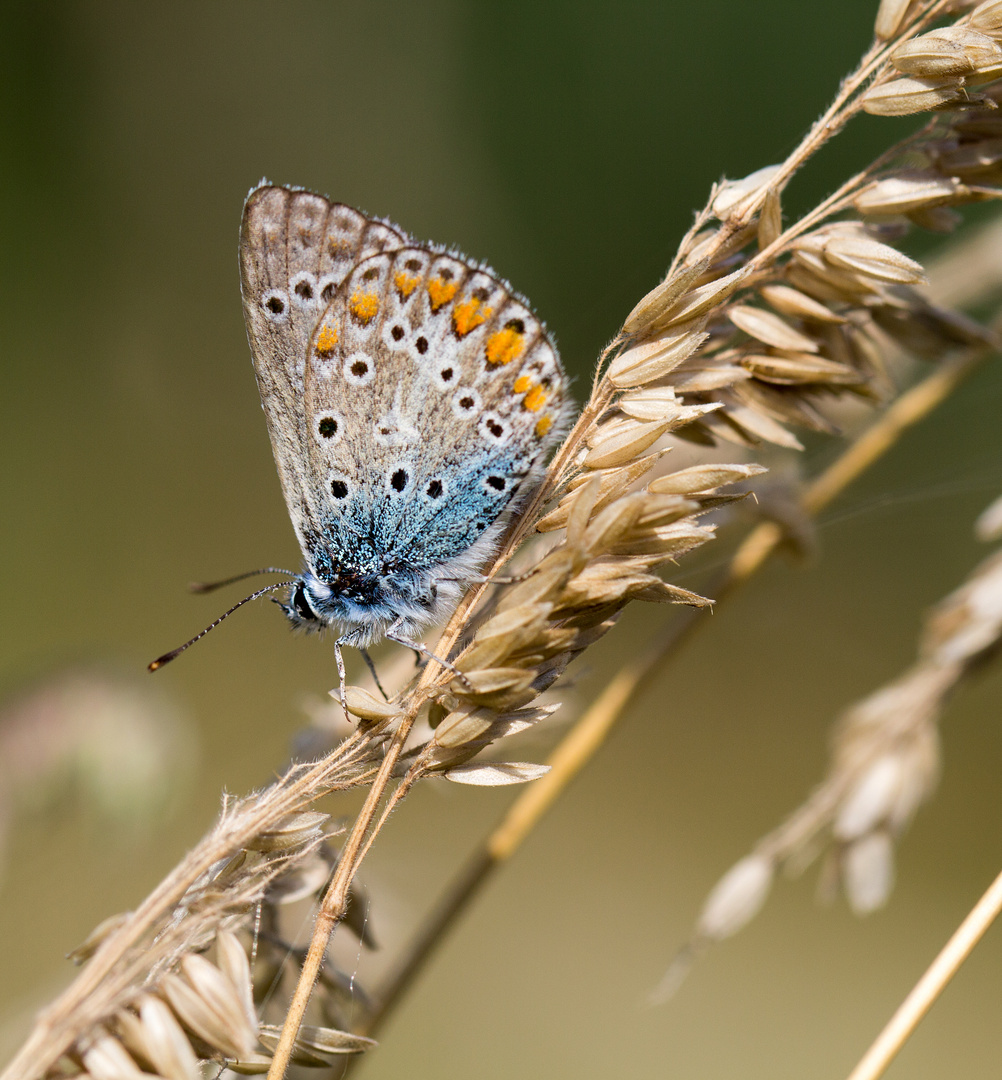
(295, 249)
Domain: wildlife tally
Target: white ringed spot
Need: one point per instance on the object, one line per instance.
(303, 289)
(359, 369)
(466, 402)
(275, 305)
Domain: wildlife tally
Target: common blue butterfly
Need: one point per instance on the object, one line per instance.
(410, 395)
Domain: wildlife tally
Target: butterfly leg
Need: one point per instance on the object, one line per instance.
(372, 671)
(339, 660)
(497, 579)
(392, 633)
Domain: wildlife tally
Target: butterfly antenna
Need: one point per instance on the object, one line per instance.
(167, 657)
(211, 586)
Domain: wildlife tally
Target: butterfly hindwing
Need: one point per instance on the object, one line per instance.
(430, 392)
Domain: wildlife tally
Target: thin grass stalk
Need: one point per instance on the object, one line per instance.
(920, 1000)
(588, 734)
(335, 902)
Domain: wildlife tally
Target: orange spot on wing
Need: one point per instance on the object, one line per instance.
(326, 342)
(504, 346)
(543, 425)
(469, 315)
(441, 292)
(522, 383)
(364, 307)
(405, 283)
(535, 399)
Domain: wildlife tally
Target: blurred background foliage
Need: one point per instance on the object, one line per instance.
(567, 144)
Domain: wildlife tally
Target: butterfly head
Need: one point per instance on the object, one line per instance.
(309, 597)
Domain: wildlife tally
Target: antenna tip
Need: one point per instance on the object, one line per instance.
(159, 662)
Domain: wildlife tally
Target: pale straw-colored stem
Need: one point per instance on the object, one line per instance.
(588, 734)
(931, 985)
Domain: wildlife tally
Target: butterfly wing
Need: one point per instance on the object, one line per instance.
(431, 391)
(296, 248)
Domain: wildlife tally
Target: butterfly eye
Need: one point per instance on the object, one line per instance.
(302, 605)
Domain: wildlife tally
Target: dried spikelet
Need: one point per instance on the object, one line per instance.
(873, 260)
(92, 942)
(655, 359)
(296, 831)
(156, 1038)
(105, 1058)
(890, 15)
(770, 329)
(952, 50)
(908, 192)
(660, 298)
(736, 899)
(987, 18)
(732, 194)
(697, 302)
(903, 97)
(211, 1006)
(497, 774)
(365, 706)
(800, 370)
(618, 442)
(703, 478)
(315, 1045)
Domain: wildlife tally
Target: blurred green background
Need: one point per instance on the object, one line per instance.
(567, 144)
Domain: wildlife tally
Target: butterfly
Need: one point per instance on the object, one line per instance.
(410, 395)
